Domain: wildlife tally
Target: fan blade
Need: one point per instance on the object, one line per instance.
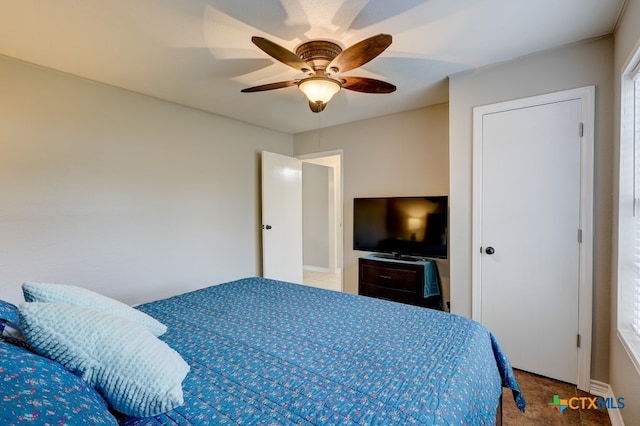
(317, 107)
(270, 86)
(360, 53)
(367, 85)
(281, 54)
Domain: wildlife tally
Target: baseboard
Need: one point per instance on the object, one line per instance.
(604, 390)
(315, 269)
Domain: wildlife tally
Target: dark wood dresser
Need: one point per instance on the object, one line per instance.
(399, 281)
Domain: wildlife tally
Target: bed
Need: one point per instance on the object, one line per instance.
(269, 352)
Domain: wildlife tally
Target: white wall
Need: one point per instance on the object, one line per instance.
(122, 193)
(574, 66)
(395, 155)
(624, 377)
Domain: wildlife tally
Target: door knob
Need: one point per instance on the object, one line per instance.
(489, 250)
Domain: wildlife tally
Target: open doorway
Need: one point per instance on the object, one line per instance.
(322, 220)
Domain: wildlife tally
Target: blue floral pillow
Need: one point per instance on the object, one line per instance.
(9, 329)
(38, 390)
(8, 311)
(11, 333)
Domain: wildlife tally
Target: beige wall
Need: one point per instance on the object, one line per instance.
(316, 180)
(396, 155)
(624, 378)
(574, 66)
(126, 194)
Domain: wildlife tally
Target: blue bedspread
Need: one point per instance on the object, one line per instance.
(269, 352)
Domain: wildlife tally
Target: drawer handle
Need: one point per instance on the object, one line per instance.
(386, 277)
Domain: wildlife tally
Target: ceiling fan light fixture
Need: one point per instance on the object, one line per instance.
(319, 89)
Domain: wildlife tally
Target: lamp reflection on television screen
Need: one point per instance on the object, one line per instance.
(414, 224)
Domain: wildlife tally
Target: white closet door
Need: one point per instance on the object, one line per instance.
(530, 220)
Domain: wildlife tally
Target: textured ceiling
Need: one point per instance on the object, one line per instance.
(199, 53)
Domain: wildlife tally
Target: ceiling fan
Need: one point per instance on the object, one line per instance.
(322, 60)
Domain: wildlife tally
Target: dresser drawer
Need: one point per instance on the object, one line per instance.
(402, 296)
(389, 277)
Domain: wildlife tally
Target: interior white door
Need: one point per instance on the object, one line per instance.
(281, 217)
(530, 220)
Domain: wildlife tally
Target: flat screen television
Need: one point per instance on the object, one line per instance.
(412, 226)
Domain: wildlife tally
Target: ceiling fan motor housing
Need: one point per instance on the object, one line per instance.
(318, 53)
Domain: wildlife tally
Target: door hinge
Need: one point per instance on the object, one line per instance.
(579, 235)
(581, 129)
(578, 341)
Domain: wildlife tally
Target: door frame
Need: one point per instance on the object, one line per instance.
(585, 285)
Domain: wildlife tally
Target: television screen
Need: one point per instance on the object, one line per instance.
(415, 226)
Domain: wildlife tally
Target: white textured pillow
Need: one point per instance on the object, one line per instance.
(78, 296)
(138, 374)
